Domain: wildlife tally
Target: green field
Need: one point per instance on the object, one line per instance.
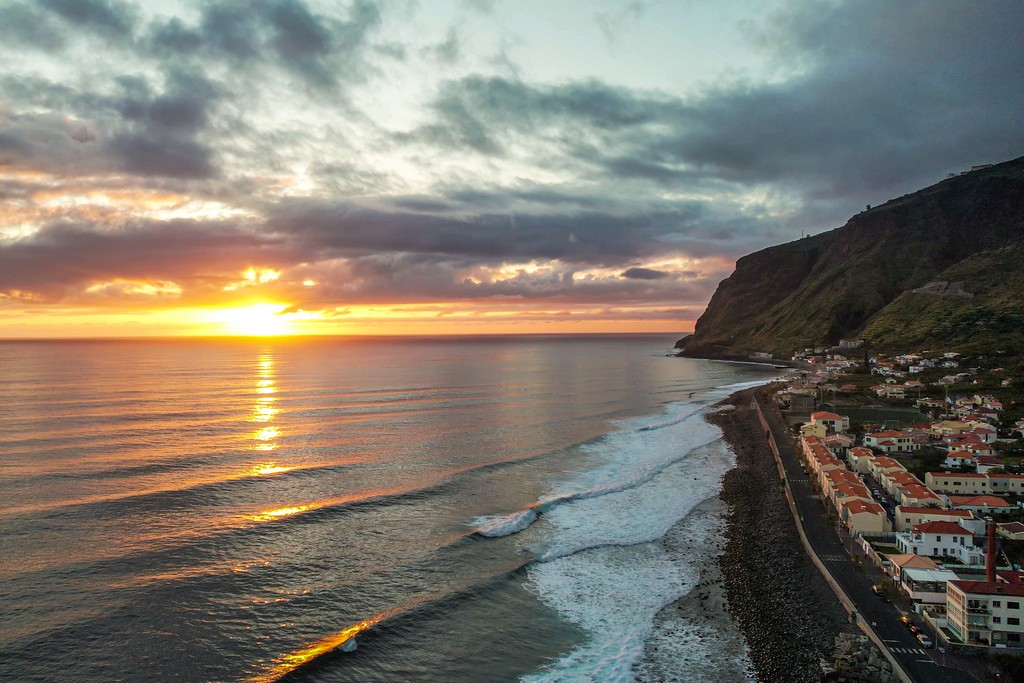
(886, 415)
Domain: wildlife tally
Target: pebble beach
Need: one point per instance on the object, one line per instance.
(788, 615)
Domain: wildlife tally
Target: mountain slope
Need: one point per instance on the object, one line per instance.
(833, 285)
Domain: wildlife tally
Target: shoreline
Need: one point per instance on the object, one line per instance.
(786, 611)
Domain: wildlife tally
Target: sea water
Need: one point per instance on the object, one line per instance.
(441, 509)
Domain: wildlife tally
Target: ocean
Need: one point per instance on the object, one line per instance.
(364, 509)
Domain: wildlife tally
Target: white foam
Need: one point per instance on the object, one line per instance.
(603, 567)
(505, 525)
(659, 480)
(613, 594)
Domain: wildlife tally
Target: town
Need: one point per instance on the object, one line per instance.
(916, 459)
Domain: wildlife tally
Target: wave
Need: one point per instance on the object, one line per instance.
(321, 652)
(495, 526)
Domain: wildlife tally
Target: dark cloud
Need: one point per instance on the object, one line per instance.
(62, 258)
(644, 274)
(170, 157)
(28, 26)
(110, 18)
(574, 237)
(321, 50)
(867, 113)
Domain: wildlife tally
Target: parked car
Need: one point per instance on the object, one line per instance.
(924, 640)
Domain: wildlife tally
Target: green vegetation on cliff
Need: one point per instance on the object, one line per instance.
(855, 280)
(991, 322)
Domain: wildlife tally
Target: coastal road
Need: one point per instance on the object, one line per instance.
(821, 534)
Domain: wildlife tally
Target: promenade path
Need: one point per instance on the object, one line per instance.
(922, 665)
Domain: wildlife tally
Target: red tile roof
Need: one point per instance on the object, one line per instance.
(935, 511)
(991, 501)
(857, 506)
(987, 588)
(940, 528)
(825, 415)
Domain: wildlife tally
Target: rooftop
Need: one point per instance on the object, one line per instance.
(939, 528)
(988, 588)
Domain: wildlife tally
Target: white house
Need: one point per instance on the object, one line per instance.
(986, 613)
(891, 441)
(833, 422)
(926, 586)
(941, 539)
(907, 517)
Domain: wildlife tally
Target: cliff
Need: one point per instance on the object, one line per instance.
(856, 281)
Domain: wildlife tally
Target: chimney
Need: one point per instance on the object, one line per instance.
(990, 559)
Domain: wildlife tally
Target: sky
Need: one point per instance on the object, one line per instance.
(462, 166)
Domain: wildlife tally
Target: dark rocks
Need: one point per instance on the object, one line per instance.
(857, 660)
(787, 612)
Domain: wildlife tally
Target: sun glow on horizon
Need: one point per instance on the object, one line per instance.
(253, 321)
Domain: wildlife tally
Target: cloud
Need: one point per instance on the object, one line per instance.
(109, 18)
(25, 25)
(288, 139)
(644, 274)
(322, 50)
(614, 24)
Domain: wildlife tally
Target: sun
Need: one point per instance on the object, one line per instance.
(253, 320)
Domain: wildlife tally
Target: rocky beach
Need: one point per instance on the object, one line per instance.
(787, 613)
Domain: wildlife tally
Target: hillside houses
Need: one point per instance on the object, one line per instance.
(928, 536)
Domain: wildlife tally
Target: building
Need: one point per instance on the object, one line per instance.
(980, 505)
(975, 484)
(860, 459)
(898, 562)
(958, 483)
(834, 423)
(892, 441)
(985, 612)
(1007, 483)
(941, 539)
(861, 517)
(926, 587)
(908, 517)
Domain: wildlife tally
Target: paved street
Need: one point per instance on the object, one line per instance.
(921, 664)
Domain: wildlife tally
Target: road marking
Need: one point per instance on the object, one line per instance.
(909, 650)
(925, 661)
(890, 641)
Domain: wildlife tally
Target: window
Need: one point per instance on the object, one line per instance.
(996, 603)
(1013, 605)
(1014, 637)
(997, 620)
(938, 539)
(1013, 621)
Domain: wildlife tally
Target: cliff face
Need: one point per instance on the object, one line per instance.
(839, 284)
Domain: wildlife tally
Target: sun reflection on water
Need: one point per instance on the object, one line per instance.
(287, 663)
(268, 515)
(265, 410)
(265, 468)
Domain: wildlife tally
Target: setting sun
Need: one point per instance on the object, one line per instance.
(254, 320)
